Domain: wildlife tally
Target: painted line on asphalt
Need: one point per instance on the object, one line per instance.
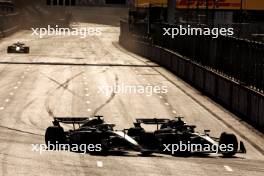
(227, 168)
(99, 164)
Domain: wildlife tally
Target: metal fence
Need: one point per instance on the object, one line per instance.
(6, 7)
(245, 102)
(239, 59)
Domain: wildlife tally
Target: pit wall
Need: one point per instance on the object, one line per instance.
(242, 101)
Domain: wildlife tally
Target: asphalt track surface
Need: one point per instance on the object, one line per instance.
(61, 77)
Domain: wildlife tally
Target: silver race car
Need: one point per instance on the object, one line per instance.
(18, 48)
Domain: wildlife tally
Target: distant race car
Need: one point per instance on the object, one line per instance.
(170, 133)
(18, 48)
(90, 132)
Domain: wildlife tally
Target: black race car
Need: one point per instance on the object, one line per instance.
(18, 48)
(89, 131)
(170, 135)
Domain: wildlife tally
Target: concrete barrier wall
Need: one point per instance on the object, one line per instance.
(246, 103)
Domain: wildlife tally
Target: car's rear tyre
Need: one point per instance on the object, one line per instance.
(54, 135)
(230, 141)
(105, 147)
(9, 49)
(26, 49)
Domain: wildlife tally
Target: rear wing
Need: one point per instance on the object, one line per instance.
(71, 120)
(152, 121)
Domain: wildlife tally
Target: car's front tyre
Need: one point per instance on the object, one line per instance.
(230, 141)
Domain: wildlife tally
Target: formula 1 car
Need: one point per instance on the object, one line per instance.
(18, 48)
(170, 135)
(90, 131)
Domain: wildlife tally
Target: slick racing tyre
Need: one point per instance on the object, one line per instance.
(26, 50)
(54, 135)
(105, 147)
(228, 140)
(9, 49)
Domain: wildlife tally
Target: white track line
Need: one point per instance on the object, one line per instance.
(227, 168)
(99, 164)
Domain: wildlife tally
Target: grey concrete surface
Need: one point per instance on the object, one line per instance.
(61, 76)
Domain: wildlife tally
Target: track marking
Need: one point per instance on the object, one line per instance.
(89, 110)
(88, 102)
(99, 164)
(229, 169)
(174, 112)
(18, 82)
(160, 97)
(11, 93)
(167, 104)
(86, 89)
(87, 95)
(7, 100)
(15, 87)
(2, 108)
